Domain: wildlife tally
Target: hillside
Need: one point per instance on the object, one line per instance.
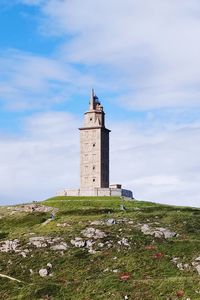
(99, 248)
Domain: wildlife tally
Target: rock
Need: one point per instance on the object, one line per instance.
(91, 232)
(197, 259)
(62, 225)
(198, 269)
(101, 245)
(167, 233)
(23, 254)
(175, 259)
(115, 271)
(130, 222)
(43, 272)
(56, 244)
(38, 242)
(62, 246)
(158, 232)
(180, 266)
(78, 242)
(145, 229)
(31, 271)
(49, 265)
(9, 246)
(92, 251)
(46, 222)
(97, 223)
(110, 222)
(106, 270)
(89, 243)
(124, 242)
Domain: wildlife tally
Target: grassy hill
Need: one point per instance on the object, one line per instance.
(92, 249)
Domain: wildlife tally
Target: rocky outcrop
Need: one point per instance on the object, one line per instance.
(158, 232)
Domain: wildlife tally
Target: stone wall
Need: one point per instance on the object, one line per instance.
(96, 192)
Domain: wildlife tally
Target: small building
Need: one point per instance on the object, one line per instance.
(94, 156)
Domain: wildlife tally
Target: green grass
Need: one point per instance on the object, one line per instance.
(77, 274)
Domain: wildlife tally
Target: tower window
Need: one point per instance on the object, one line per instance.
(94, 145)
(93, 168)
(90, 119)
(94, 180)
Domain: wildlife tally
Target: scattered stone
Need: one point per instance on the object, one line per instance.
(62, 246)
(46, 222)
(56, 244)
(158, 232)
(49, 265)
(10, 246)
(110, 222)
(97, 223)
(91, 232)
(198, 269)
(38, 241)
(197, 259)
(124, 242)
(43, 272)
(92, 251)
(115, 271)
(89, 243)
(106, 270)
(175, 259)
(31, 271)
(62, 225)
(23, 254)
(180, 266)
(78, 242)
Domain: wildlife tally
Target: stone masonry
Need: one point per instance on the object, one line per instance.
(94, 144)
(94, 156)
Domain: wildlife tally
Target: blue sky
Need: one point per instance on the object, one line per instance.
(142, 58)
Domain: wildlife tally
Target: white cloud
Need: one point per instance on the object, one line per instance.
(42, 160)
(31, 81)
(151, 48)
(160, 165)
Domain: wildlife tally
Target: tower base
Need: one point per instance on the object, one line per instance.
(97, 192)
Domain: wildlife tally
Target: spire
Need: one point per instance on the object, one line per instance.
(92, 100)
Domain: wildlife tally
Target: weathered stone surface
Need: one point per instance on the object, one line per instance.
(91, 232)
(198, 269)
(124, 242)
(62, 225)
(61, 246)
(55, 244)
(110, 222)
(159, 232)
(38, 241)
(9, 246)
(78, 242)
(43, 272)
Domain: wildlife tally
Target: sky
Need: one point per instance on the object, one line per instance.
(141, 57)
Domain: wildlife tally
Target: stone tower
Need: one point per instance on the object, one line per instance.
(94, 147)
